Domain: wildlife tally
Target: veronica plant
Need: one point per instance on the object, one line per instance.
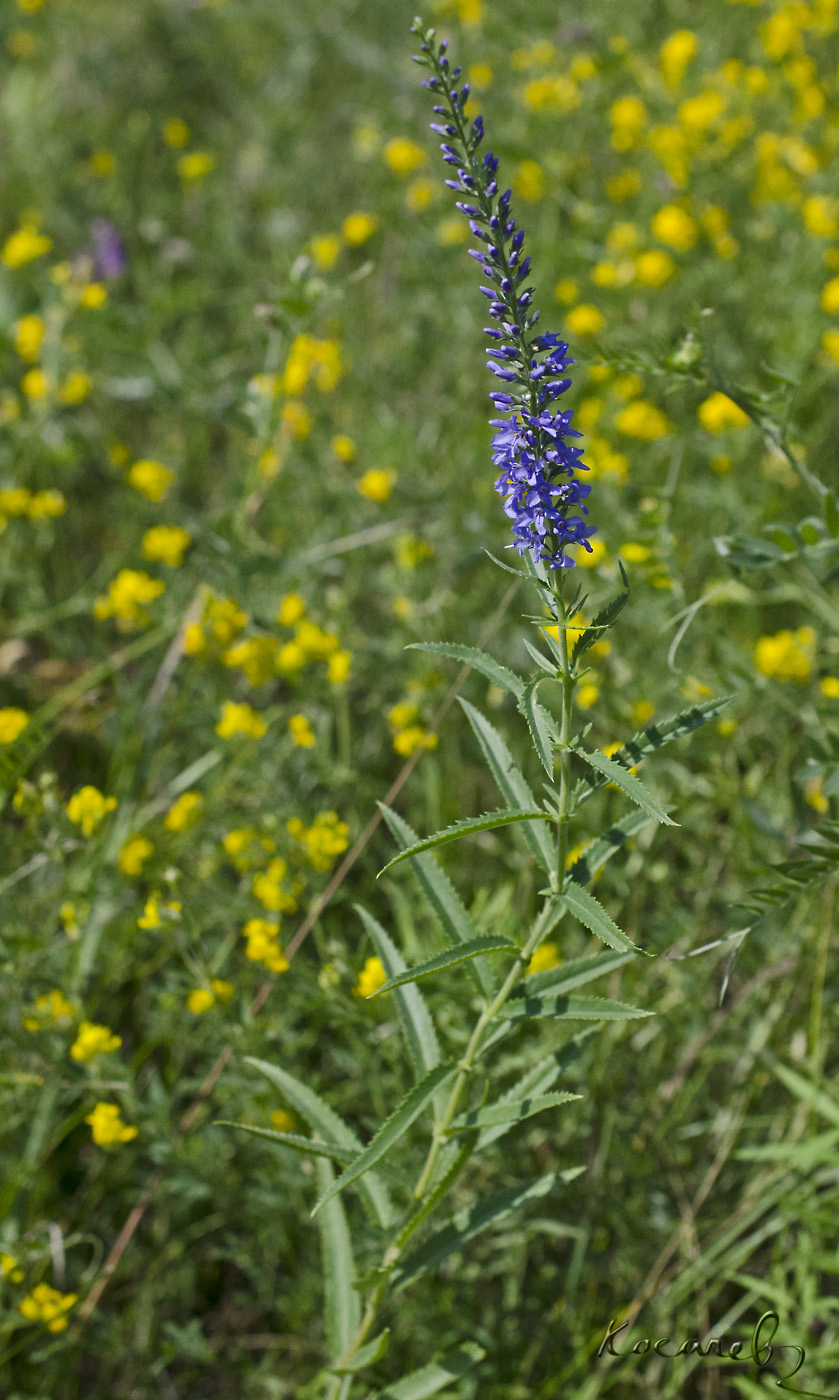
(456, 1093)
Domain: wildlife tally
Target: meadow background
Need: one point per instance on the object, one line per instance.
(244, 463)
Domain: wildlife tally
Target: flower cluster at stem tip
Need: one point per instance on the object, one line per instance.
(538, 468)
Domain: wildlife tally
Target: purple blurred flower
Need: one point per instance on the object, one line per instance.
(109, 255)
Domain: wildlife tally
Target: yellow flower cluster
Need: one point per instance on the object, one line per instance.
(358, 227)
(51, 1008)
(133, 855)
(12, 723)
(92, 1040)
(106, 1126)
(263, 945)
(45, 1304)
(240, 718)
(408, 734)
(324, 841)
(719, 412)
(642, 420)
(155, 912)
(126, 598)
(37, 505)
(202, 999)
(370, 979)
(184, 812)
(377, 484)
(545, 957)
(311, 360)
(25, 244)
(787, 656)
(245, 847)
(302, 733)
(151, 479)
(166, 544)
(88, 807)
(268, 887)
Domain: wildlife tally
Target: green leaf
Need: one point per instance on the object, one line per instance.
(538, 1080)
(506, 816)
(511, 783)
(655, 736)
(325, 1120)
(442, 897)
(342, 1303)
(479, 661)
(391, 1130)
(806, 1091)
(816, 1151)
(606, 618)
(428, 1380)
(831, 515)
(538, 724)
(413, 1012)
(604, 846)
(590, 912)
(367, 1355)
(295, 1140)
(473, 1221)
(515, 1111)
(541, 660)
(634, 789)
(564, 1008)
(576, 973)
(486, 944)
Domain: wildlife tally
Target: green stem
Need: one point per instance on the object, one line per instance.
(565, 734)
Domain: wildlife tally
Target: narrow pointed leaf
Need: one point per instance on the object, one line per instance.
(606, 618)
(805, 1090)
(428, 1380)
(367, 1355)
(655, 736)
(341, 1299)
(490, 1211)
(537, 723)
(604, 846)
(568, 1008)
(628, 783)
(538, 1080)
(295, 1140)
(442, 897)
(479, 661)
(324, 1120)
(414, 1015)
(576, 973)
(816, 1151)
(590, 912)
(497, 1114)
(491, 943)
(541, 660)
(511, 783)
(391, 1131)
(490, 821)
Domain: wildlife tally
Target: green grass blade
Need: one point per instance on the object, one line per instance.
(391, 1130)
(413, 1013)
(805, 1090)
(485, 944)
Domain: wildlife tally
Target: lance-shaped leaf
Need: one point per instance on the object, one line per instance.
(442, 897)
(629, 784)
(478, 660)
(499, 1114)
(604, 846)
(805, 1090)
(391, 1130)
(655, 736)
(606, 618)
(325, 1120)
(541, 659)
(413, 1012)
(538, 722)
(342, 1305)
(295, 1140)
(506, 816)
(575, 973)
(491, 943)
(367, 1355)
(428, 1380)
(538, 1079)
(590, 912)
(511, 784)
(568, 1008)
(473, 1221)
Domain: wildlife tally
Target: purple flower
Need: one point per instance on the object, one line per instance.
(109, 255)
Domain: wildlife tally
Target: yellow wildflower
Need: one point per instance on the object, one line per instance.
(587, 695)
(53, 1005)
(102, 163)
(634, 553)
(718, 412)
(654, 268)
(192, 168)
(642, 712)
(674, 226)
(227, 619)
(371, 978)
(154, 912)
(200, 1000)
(75, 387)
(25, 244)
(107, 1127)
(566, 290)
(376, 484)
(419, 194)
(323, 841)
(403, 156)
(830, 345)
(166, 544)
(623, 186)
(28, 334)
(407, 741)
(324, 250)
(585, 319)
(184, 812)
(821, 215)
(301, 732)
(627, 115)
(151, 479)
(194, 639)
(830, 297)
(814, 794)
(529, 181)
(239, 719)
(46, 504)
(788, 656)
(641, 419)
(92, 1040)
(545, 957)
(675, 54)
(552, 92)
(267, 887)
(829, 687)
(134, 854)
(263, 945)
(127, 594)
(296, 419)
(35, 384)
(411, 550)
(9, 1268)
(45, 1304)
(343, 447)
(12, 723)
(358, 227)
(176, 133)
(338, 667)
(283, 1121)
(257, 657)
(451, 231)
(87, 807)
